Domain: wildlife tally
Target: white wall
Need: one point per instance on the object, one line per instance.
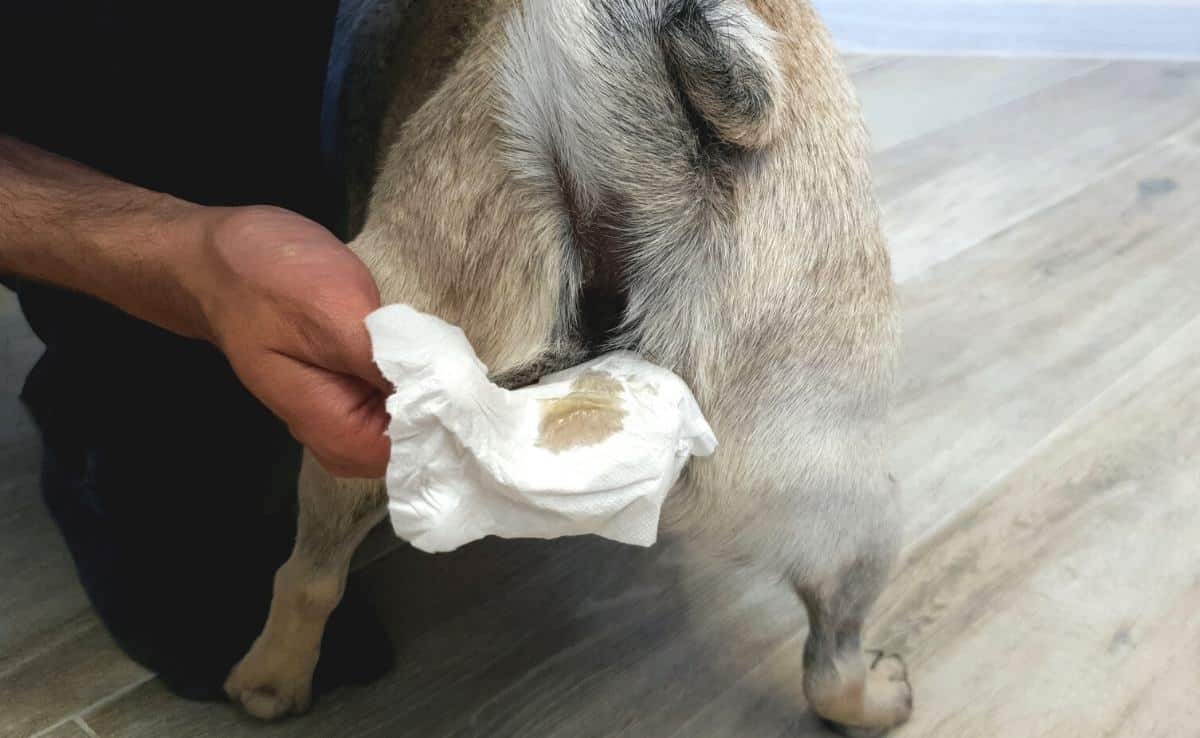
(1085, 28)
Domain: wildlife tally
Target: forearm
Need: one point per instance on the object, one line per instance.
(70, 226)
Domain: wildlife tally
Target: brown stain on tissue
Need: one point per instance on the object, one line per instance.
(590, 413)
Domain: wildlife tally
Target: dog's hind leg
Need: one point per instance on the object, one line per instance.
(811, 511)
(275, 677)
(863, 693)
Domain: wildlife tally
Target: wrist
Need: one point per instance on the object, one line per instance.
(192, 269)
(208, 277)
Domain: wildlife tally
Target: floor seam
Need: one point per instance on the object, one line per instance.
(1096, 67)
(992, 487)
(78, 716)
(1176, 134)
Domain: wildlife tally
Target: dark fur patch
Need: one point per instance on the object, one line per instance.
(724, 87)
(596, 240)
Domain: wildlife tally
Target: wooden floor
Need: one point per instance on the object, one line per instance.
(1045, 221)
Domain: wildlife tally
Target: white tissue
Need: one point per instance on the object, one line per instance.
(466, 461)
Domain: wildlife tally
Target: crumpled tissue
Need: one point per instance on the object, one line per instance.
(592, 449)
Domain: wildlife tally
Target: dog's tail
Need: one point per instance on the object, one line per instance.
(719, 54)
(632, 116)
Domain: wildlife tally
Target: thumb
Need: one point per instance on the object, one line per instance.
(347, 349)
(358, 359)
(341, 419)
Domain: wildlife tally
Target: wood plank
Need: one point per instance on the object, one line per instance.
(579, 644)
(858, 63)
(53, 656)
(645, 677)
(70, 729)
(944, 194)
(1006, 341)
(19, 349)
(41, 592)
(1165, 706)
(66, 671)
(468, 625)
(913, 97)
(1079, 573)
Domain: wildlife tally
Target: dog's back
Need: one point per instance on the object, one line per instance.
(639, 156)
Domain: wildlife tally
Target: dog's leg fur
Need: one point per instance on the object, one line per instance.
(275, 677)
(863, 693)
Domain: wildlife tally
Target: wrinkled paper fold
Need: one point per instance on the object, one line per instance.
(470, 459)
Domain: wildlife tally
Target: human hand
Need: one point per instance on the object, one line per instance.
(285, 301)
(279, 294)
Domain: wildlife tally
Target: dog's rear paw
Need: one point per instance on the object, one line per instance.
(266, 704)
(887, 698)
(270, 688)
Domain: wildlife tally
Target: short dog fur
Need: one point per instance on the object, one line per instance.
(685, 178)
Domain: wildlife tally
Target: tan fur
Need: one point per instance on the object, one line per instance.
(755, 269)
(441, 259)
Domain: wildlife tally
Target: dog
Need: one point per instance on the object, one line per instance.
(688, 179)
